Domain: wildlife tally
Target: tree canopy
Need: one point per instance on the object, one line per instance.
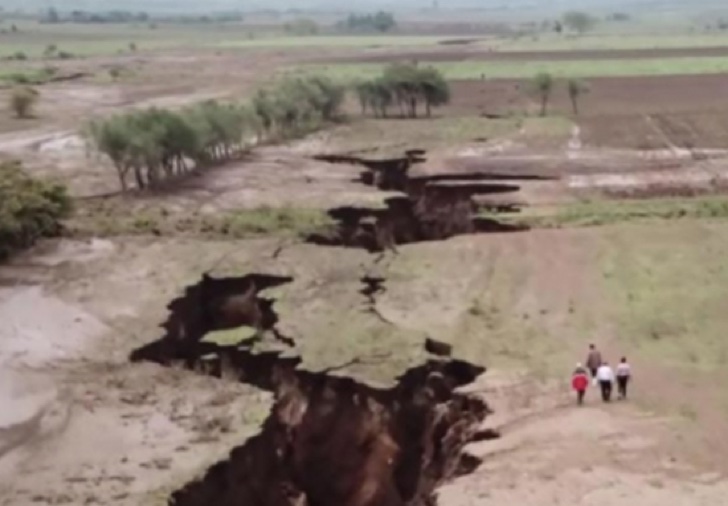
(379, 22)
(406, 86)
(155, 145)
(29, 209)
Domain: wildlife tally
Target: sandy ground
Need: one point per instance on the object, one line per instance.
(553, 452)
(79, 424)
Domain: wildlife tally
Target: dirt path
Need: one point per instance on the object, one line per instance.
(553, 452)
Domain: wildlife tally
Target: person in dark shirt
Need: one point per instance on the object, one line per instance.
(593, 360)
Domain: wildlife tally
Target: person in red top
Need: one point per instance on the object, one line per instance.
(580, 382)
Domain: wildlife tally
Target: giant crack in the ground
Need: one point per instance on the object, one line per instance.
(329, 440)
(433, 207)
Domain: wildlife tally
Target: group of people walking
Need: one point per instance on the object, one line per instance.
(600, 373)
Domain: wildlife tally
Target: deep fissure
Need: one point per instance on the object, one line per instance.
(433, 207)
(329, 440)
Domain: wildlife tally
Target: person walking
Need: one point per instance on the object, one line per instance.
(580, 382)
(605, 377)
(593, 360)
(624, 373)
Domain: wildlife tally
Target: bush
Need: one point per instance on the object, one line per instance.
(50, 51)
(22, 101)
(29, 209)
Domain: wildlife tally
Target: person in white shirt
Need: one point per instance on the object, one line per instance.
(605, 377)
(624, 373)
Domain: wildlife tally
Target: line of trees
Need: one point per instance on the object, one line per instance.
(380, 22)
(404, 86)
(29, 209)
(155, 145)
(53, 16)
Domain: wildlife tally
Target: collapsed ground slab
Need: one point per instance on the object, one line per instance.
(400, 442)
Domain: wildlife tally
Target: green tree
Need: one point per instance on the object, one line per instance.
(576, 88)
(22, 101)
(542, 85)
(112, 137)
(379, 22)
(404, 82)
(155, 145)
(435, 89)
(29, 209)
(406, 85)
(578, 21)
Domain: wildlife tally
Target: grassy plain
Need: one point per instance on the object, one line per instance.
(474, 69)
(97, 39)
(607, 41)
(600, 212)
(390, 137)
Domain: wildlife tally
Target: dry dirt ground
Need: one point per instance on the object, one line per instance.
(85, 426)
(467, 52)
(81, 425)
(643, 113)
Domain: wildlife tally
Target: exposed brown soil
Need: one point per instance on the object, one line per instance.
(480, 54)
(213, 304)
(433, 207)
(128, 431)
(644, 112)
(329, 440)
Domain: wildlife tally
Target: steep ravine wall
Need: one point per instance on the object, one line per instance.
(329, 440)
(333, 441)
(431, 208)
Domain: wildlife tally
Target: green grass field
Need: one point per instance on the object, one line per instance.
(520, 70)
(334, 41)
(596, 213)
(607, 41)
(667, 288)
(93, 39)
(96, 39)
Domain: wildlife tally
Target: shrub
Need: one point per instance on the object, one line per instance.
(50, 51)
(22, 101)
(29, 209)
